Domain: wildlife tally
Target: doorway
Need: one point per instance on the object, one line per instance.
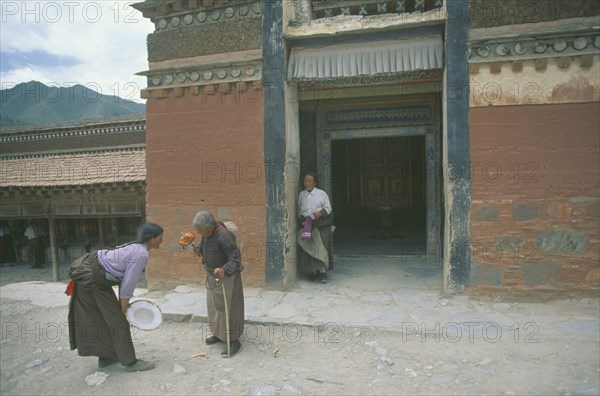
(379, 162)
(378, 195)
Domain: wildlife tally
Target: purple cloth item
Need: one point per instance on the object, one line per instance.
(307, 231)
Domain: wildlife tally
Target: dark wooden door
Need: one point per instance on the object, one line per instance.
(380, 172)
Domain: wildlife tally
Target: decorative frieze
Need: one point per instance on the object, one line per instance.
(154, 9)
(246, 89)
(380, 79)
(533, 48)
(381, 116)
(204, 75)
(329, 9)
(206, 78)
(203, 17)
(534, 82)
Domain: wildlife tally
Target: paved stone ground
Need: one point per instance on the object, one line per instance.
(387, 331)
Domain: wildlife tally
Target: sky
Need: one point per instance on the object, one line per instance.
(99, 44)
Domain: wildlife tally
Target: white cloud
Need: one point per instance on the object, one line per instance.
(107, 40)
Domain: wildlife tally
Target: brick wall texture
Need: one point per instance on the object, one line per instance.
(205, 153)
(535, 193)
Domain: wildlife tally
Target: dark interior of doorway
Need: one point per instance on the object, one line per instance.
(370, 230)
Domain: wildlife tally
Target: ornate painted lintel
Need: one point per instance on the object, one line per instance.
(380, 79)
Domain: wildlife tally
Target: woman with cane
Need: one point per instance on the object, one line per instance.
(225, 294)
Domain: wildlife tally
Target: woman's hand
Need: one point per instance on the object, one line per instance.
(219, 273)
(318, 215)
(124, 305)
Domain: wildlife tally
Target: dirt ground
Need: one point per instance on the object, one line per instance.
(295, 360)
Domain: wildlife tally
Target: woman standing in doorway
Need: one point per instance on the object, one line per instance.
(315, 236)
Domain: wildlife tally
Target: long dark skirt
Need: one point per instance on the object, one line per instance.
(97, 326)
(35, 253)
(7, 250)
(215, 303)
(308, 263)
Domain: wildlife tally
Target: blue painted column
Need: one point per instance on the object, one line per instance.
(456, 164)
(273, 72)
(432, 182)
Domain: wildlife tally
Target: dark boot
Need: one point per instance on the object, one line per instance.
(234, 347)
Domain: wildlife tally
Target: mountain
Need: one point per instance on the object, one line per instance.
(35, 103)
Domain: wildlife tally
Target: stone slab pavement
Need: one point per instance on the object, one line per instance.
(385, 298)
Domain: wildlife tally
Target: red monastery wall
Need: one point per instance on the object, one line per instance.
(535, 175)
(205, 152)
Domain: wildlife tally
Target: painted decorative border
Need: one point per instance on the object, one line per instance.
(528, 48)
(329, 9)
(246, 89)
(380, 116)
(383, 114)
(380, 79)
(207, 17)
(205, 75)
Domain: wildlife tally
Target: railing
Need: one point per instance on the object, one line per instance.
(331, 8)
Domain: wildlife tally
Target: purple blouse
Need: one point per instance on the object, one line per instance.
(125, 263)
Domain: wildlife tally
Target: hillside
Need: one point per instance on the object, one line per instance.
(35, 103)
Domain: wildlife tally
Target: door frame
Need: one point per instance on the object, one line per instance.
(433, 188)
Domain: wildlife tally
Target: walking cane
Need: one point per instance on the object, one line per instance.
(217, 280)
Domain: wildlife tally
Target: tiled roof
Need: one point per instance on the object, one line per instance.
(95, 122)
(74, 169)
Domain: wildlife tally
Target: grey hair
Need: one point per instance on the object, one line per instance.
(204, 221)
